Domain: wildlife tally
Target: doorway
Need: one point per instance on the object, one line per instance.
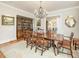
(51, 23)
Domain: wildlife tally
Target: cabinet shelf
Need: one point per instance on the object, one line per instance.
(23, 23)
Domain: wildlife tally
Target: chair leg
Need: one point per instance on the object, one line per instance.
(31, 47)
(57, 50)
(42, 52)
(27, 43)
(47, 48)
(71, 53)
(62, 49)
(54, 47)
(36, 49)
(75, 47)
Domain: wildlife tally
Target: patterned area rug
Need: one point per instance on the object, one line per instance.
(19, 50)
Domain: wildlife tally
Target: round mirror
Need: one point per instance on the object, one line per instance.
(70, 21)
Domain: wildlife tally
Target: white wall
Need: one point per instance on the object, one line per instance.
(8, 33)
(62, 28)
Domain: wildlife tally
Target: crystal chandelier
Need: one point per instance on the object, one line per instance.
(41, 13)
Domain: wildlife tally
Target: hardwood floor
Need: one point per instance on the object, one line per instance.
(7, 44)
(2, 55)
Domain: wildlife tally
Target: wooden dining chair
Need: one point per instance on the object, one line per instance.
(27, 37)
(76, 43)
(41, 43)
(50, 35)
(33, 39)
(58, 40)
(51, 38)
(67, 44)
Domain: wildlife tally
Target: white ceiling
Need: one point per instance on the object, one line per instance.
(30, 6)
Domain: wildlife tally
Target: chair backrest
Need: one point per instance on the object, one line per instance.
(71, 40)
(34, 34)
(59, 37)
(40, 34)
(71, 36)
(50, 34)
(27, 34)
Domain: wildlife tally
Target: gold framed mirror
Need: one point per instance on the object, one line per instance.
(70, 21)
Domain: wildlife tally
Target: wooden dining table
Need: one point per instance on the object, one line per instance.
(53, 42)
(52, 39)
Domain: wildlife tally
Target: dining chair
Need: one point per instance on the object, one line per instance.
(27, 37)
(50, 35)
(66, 43)
(58, 40)
(76, 43)
(51, 38)
(33, 39)
(41, 43)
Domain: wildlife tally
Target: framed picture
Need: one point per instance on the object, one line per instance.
(7, 20)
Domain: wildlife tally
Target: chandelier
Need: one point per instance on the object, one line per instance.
(41, 13)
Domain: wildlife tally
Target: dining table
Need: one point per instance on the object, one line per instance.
(53, 42)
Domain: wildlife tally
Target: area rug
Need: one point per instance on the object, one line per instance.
(19, 50)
